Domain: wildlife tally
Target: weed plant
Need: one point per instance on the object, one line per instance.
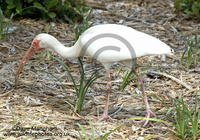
(47, 31)
(129, 77)
(192, 48)
(83, 85)
(4, 26)
(190, 7)
(183, 119)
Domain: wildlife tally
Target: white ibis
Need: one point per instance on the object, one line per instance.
(106, 43)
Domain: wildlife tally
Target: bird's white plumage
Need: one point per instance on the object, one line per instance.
(141, 43)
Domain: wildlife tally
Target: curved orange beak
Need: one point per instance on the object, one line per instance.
(34, 48)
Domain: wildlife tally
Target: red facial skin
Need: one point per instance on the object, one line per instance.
(33, 49)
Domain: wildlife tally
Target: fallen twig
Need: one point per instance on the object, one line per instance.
(1, 95)
(173, 78)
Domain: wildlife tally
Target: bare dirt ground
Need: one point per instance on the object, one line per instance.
(39, 100)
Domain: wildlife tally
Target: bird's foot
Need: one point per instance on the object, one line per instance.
(148, 115)
(103, 117)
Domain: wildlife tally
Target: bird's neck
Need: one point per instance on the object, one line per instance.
(68, 52)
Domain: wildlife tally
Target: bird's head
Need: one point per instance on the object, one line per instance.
(45, 41)
(171, 52)
(40, 42)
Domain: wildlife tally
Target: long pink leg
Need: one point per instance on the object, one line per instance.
(105, 114)
(149, 112)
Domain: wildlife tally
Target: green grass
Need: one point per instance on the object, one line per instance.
(83, 85)
(4, 26)
(183, 119)
(47, 31)
(104, 137)
(191, 49)
(129, 77)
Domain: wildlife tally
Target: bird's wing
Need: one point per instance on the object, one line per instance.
(112, 43)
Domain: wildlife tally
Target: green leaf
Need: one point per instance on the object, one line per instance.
(52, 15)
(86, 9)
(30, 1)
(11, 6)
(68, 73)
(9, 1)
(194, 9)
(83, 130)
(188, 12)
(66, 4)
(51, 4)
(177, 4)
(19, 10)
(18, 3)
(8, 12)
(38, 5)
(92, 128)
(197, 4)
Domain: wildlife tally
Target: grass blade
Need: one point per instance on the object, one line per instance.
(107, 134)
(1, 23)
(8, 26)
(152, 119)
(83, 130)
(92, 129)
(68, 73)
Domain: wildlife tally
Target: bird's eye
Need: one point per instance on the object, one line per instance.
(35, 43)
